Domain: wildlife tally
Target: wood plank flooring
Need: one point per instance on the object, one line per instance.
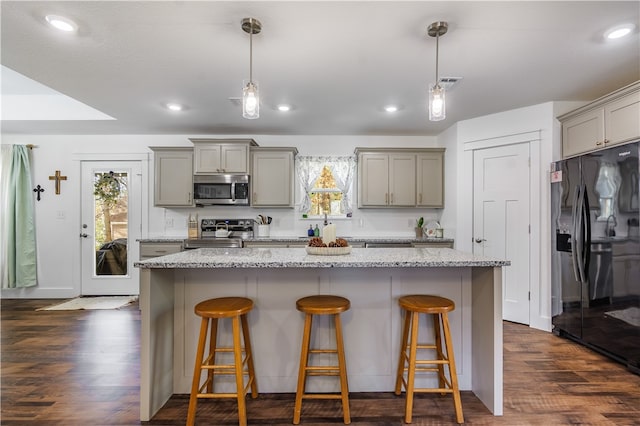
(83, 368)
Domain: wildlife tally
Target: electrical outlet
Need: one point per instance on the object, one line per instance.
(168, 222)
(60, 214)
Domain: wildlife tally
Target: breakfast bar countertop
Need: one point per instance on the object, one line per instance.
(298, 258)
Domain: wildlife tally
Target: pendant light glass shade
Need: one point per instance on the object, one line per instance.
(250, 99)
(437, 107)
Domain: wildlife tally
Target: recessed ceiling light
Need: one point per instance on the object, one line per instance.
(619, 31)
(284, 108)
(174, 106)
(61, 23)
(391, 108)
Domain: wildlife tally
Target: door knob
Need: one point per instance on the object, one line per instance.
(479, 240)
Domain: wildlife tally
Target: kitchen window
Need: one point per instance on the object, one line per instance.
(326, 185)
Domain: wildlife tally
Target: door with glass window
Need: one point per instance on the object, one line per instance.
(110, 226)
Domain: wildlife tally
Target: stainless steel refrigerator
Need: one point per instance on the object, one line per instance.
(596, 251)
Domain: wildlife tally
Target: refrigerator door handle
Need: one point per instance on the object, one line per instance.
(581, 250)
(580, 235)
(587, 233)
(574, 234)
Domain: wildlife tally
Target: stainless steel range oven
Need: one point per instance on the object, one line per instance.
(238, 230)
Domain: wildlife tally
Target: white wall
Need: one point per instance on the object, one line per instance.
(58, 216)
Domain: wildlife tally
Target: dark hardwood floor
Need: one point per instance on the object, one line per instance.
(82, 368)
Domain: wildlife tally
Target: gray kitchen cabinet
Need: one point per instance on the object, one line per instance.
(173, 176)
(275, 244)
(607, 121)
(155, 249)
(433, 244)
(400, 177)
(430, 178)
(386, 179)
(272, 176)
(218, 156)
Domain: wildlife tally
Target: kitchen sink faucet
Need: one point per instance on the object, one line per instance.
(610, 231)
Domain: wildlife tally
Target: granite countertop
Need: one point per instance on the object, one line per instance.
(298, 258)
(290, 239)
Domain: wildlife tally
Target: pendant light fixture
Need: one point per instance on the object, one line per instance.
(437, 110)
(250, 93)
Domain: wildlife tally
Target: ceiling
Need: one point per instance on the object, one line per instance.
(337, 63)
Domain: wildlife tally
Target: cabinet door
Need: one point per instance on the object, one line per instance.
(173, 178)
(207, 158)
(622, 119)
(234, 159)
(583, 133)
(374, 180)
(430, 179)
(272, 179)
(402, 180)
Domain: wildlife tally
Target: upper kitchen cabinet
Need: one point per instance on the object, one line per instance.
(607, 121)
(272, 176)
(217, 156)
(430, 178)
(400, 177)
(173, 176)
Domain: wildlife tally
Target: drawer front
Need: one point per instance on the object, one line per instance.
(150, 250)
(434, 245)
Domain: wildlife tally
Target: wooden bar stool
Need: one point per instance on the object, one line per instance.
(211, 310)
(322, 305)
(413, 306)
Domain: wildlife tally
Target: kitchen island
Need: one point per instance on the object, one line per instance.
(373, 279)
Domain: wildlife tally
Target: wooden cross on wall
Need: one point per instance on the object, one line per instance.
(57, 177)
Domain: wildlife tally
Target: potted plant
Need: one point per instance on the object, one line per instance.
(419, 225)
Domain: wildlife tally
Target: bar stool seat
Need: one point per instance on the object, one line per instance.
(235, 308)
(413, 306)
(322, 305)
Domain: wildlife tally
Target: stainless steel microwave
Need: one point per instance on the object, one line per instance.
(226, 190)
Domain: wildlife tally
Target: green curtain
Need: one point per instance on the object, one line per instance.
(18, 230)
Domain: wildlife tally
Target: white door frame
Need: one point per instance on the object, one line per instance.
(465, 204)
(144, 159)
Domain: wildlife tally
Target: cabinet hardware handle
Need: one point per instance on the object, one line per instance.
(480, 240)
(255, 198)
(189, 197)
(386, 198)
(420, 197)
(391, 198)
(606, 141)
(598, 143)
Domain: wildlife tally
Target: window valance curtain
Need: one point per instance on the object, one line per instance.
(18, 250)
(309, 168)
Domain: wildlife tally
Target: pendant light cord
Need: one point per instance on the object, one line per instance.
(251, 53)
(437, 56)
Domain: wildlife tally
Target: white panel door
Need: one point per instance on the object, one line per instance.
(111, 223)
(501, 220)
